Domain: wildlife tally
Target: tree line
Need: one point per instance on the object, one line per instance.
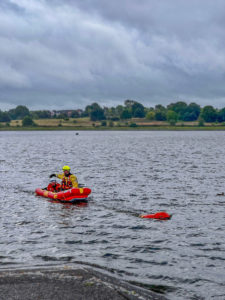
(178, 111)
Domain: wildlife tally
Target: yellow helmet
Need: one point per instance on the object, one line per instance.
(66, 168)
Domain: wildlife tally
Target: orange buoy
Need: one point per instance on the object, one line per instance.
(162, 215)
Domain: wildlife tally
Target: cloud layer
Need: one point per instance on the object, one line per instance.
(67, 54)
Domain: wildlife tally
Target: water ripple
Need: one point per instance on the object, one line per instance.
(130, 173)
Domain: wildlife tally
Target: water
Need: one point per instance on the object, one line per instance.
(130, 173)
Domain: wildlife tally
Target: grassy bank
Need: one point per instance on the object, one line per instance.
(86, 124)
(100, 128)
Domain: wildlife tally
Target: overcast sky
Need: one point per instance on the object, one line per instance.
(66, 54)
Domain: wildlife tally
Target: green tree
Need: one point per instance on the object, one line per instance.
(75, 114)
(4, 117)
(62, 116)
(28, 121)
(126, 114)
(87, 111)
(40, 114)
(221, 115)
(200, 122)
(192, 112)
(137, 110)
(209, 114)
(150, 115)
(178, 107)
(95, 112)
(172, 117)
(19, 112)
(129, 103)
(160, 113)
(111, 113)
(119, 110)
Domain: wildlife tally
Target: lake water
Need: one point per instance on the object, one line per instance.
(130, 173)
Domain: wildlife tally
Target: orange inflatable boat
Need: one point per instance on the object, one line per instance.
(73, 195)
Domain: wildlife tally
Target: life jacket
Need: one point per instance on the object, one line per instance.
(66, 183)
(54, 187)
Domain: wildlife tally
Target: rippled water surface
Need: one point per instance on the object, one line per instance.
(130, 173)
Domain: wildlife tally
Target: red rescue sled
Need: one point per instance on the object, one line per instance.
(74, 195)
(162, 215)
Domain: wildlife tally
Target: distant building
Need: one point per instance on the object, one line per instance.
(68, 113)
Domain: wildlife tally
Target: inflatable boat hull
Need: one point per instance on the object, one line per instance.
(74, 195)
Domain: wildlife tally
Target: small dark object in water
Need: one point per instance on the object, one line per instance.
(220, 194)
(77, 133)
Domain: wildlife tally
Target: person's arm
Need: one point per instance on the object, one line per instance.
(74, 181)
(60, 176)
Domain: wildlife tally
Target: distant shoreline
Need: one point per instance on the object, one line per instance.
(103, 128)
(86, 124)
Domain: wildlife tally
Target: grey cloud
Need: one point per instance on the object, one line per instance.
(158, 16)
(71, 53)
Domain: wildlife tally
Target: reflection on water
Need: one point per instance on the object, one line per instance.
(130, 173)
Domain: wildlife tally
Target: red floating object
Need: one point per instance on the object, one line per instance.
(162, 215)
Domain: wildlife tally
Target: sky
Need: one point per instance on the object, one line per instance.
(67, 54)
